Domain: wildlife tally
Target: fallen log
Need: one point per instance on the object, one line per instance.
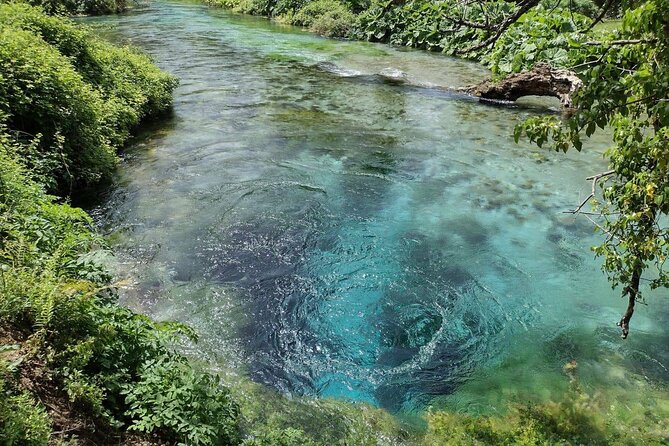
(542, 80)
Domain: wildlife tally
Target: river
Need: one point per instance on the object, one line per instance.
(334, 221)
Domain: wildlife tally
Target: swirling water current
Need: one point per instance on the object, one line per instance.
(334, 221)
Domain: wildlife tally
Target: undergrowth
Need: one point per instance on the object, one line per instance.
(76, 7)
(114, 365)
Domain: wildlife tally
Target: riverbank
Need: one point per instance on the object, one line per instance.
(449, 27)
(75, 366)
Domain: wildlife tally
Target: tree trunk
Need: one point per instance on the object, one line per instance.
(542, 80)
(632, 292)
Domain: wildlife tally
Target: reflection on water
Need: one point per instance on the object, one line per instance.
(331, 230)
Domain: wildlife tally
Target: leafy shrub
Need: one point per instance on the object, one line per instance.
(112, 363)
(288, 7)
(254, 7)
(279, 437)
(326, 17)
(331, 18)
(42, 94)
(588, 8)
(75, 97)
(66, 100)
(170, 395)
(22, 421)
(91, 7)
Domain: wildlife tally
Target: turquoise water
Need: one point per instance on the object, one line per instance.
(334, 221)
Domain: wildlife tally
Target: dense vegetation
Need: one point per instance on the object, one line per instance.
(76, 367)
(331, 18)
(72, 99)
(78, 7)
(67, 102)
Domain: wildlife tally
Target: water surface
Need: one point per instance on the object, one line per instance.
(335, 222)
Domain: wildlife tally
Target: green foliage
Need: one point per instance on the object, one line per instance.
(112, 363)
(171, 395)
(279, 437)
(588, 8)
(326, 17)
(71, 96)
(254, 7)
(575, 421)
(288, 7)
(331, 18)
(428, 25)
(42, 92)
(537, 36)
(625, 87)
(67, 100)
(578, 419)
(22, 421)
(71, 7)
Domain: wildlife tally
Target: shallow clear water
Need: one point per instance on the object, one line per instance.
(332, 230)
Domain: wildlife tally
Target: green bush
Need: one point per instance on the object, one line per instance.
(330, 18)
(75, 97)
(288, 7)
(279, 437)
(22, 421)
(170, 395)
(70, 7)
(112, 363)
(66, 101)
(589, 8)
(41, 94)
(326, 17)
(254, 7)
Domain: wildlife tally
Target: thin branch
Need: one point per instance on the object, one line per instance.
(596, 214)
(594, 179)
(524, 6)
(599, 18)
(601, 228)
(584, 64)
(467, 23)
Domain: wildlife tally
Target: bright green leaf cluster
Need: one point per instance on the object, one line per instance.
(73, 97)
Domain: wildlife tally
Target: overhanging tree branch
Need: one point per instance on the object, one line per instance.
(523, 7)
(594, 179)
(599, 18)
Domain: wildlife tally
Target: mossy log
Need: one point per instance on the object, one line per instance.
(542, 80)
